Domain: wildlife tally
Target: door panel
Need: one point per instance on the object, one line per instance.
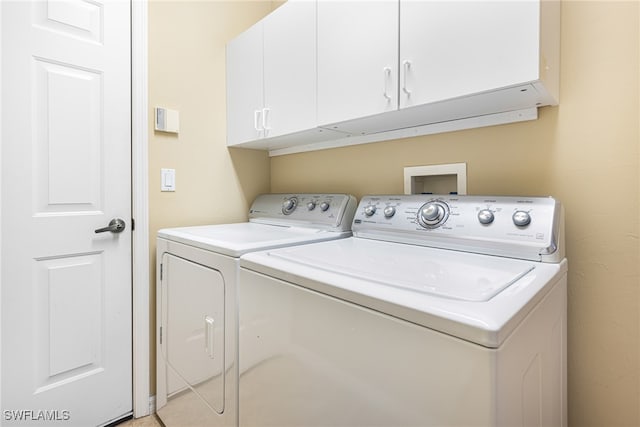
(66, 171)
(69, 334)
(67, 182)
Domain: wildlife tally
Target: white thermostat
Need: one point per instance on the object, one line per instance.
(167, 120)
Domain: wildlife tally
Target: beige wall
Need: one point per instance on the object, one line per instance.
(585, 153)
(187, 73)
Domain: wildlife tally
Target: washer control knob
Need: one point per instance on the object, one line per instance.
(433, 214)
(521, 218)
(389, 211)
(289, 205)
(311, 205)
(370, 210)
(324, 206)
(485, 216)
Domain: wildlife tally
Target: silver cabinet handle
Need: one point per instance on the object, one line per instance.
(266, 122)
(116, 225)
(406, 65)
(256, 120)
(386, 74)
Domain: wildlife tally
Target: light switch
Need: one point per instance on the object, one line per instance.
(167, 179)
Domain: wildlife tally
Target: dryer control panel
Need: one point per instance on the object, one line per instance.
(324, 211)
(517, 227)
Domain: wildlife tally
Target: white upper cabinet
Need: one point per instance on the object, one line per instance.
(455, 48)
(357, 59)
(245, 92)
(336, 72)
(271, 75)
(290, 68)
(442, 60)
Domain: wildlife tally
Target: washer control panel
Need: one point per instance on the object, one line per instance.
(506, 226)
(309, 210)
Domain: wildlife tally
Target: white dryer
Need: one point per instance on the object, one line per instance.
(197, 268)
(439, 311)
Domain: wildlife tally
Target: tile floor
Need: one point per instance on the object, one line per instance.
(150, 421)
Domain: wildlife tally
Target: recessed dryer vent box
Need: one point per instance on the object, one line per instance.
(436, 179)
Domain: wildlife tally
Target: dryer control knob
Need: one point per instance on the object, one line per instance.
(521, 218)
(370, 210)
(289, 205)
(324, 206)
(485, 216)
(389, 211)
(311, 205)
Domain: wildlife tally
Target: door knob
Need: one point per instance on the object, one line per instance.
(116, 225)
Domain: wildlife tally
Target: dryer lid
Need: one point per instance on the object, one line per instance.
(237, 239)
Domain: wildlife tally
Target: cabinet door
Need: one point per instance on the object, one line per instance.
(245, 94)
(290, 68)
(357, 59)
(455, 48)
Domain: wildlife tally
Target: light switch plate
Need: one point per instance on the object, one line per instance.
(167, 180)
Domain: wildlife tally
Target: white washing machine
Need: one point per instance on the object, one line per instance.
(197, 268)
(439, 311)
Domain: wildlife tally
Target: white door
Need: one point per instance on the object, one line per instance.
(66, 171)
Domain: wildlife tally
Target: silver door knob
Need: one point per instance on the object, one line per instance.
(116, 225)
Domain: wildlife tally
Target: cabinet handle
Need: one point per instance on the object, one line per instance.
(405, 66)
(256, 120)
(386, 75)
(265, 121)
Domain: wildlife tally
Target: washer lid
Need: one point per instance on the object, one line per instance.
(464, 277)
(478, 298)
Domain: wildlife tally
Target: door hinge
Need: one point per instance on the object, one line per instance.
(160, 334)
(160, 272)
(133, 224)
